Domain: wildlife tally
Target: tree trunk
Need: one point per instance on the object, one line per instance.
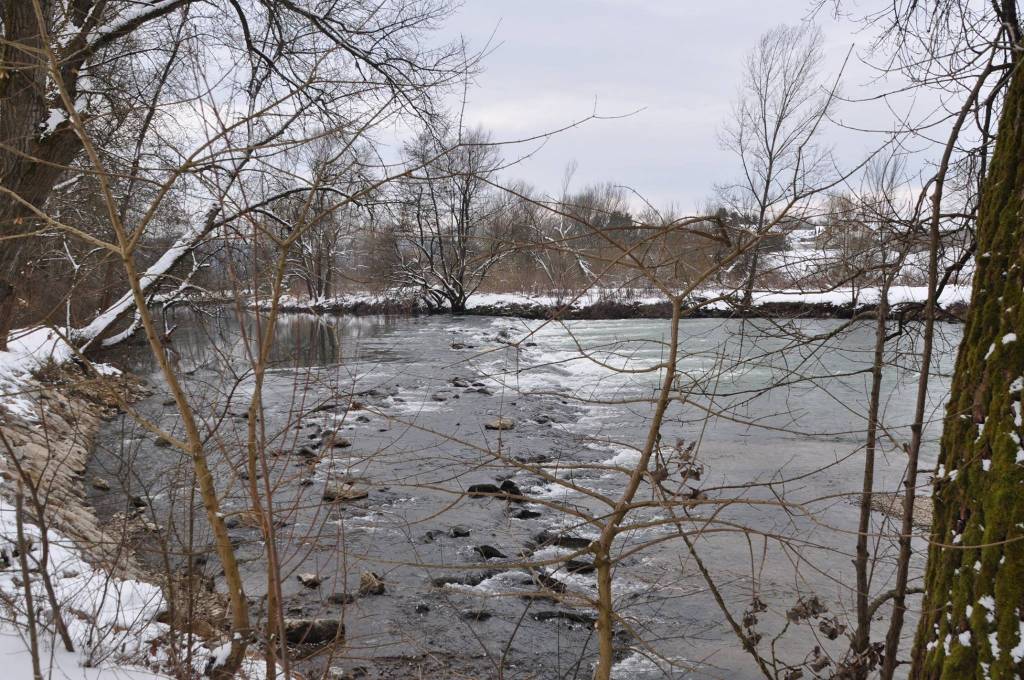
(30, 162)
(971, 625)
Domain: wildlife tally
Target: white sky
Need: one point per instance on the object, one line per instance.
(679, 60)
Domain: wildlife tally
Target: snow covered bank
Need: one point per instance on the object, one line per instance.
(77, 572)
(621, 303)
(608, 304)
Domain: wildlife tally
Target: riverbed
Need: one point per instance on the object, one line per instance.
(768, 418)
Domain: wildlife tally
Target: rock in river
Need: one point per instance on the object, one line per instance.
(500, 424)
(313, 631)
(310, 580)
(483, 490)
(343, 491)
(489, 552)
(371, 584)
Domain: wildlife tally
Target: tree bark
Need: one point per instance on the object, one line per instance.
(971, 625)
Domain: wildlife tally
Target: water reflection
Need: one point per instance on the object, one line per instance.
(213, 337)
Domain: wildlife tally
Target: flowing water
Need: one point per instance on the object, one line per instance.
(772, 413)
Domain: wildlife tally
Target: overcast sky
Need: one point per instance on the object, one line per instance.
(678, 60)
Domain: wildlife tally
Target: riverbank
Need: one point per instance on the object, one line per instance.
(81, 571)
(610, 304)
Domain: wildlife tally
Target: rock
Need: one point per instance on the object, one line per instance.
(354, 673)
(462, 579)
(575, 617)
(458, 345)
(232, 522)
(476, 615)
(579, 567)
(343, 491)
(489, 552)
(309, 452)
(438, 396)
(526, 514)
(313, 631)
(363, 419)
(310, 580)
(500, 424)
(459, 382)
(161, 442)
(489, 393)
(337, 442)
(100, 484)
(341, 598)
(139, 502)
(482, 490)
(306, 481)
(511, 488)
(548, 537)
(458, 531)
(371, 584)
(168, 402)
(422, 607)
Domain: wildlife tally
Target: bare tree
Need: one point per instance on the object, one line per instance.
(446, 216)
(773, 132)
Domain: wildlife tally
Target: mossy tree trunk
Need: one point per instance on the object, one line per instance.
(972, 625)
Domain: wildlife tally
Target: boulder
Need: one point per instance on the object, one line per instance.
(341, 598)
(310, 580)
(482, 490)
(371, 584)
(489, 552)
(574, 617)
(548, 537)
(579, 567)
(313, 631)
(458, 531)
(476, 614)
(511, 488)
(100, 484)
(343, 491)
(500, 424)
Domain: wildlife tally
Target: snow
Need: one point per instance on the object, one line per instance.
(185, 243)
(113, 619)
(17, 663)
(27, 350)
(1017, 653)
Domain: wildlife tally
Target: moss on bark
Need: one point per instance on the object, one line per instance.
(971, 626)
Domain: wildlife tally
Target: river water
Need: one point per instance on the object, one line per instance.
(771, 412)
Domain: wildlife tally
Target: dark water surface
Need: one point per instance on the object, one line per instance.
(775, 412)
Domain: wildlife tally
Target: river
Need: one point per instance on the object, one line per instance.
(771, 411)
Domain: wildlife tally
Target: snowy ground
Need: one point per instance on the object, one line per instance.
(952, 294)
(111, 620)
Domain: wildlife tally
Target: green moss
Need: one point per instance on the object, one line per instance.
(986, 507)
